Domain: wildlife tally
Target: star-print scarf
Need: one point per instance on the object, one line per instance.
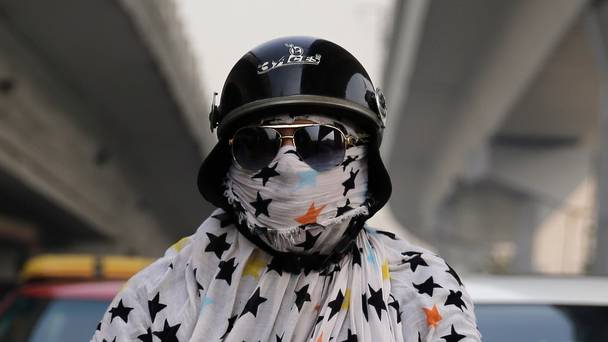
(216, 285)
(294, 208)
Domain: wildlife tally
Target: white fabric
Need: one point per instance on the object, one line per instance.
(187, 295)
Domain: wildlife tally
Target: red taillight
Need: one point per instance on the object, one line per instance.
(96, 291)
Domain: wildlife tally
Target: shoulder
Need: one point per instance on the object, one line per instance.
(410, 262)
(427, 288)
(170, 276)
(178, 258)
(129, 311)
(396, 248)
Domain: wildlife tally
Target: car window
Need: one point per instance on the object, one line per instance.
(57, 320)
(534, 323)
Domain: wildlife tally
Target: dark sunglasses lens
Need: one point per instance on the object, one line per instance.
(321, 147)
(255, 147)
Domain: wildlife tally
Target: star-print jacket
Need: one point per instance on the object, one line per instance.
(215, 285)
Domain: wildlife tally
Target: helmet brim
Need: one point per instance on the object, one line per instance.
(212, 173)
(308, 104)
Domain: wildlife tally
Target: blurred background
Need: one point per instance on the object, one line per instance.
(497, 138)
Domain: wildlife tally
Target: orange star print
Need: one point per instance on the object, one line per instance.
(311, 214)
(432, 316)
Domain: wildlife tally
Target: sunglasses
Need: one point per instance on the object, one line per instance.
(321, 146)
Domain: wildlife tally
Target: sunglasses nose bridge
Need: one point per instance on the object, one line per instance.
(287, 140)
(286, 136)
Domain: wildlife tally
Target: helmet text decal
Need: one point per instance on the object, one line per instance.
(296, 56)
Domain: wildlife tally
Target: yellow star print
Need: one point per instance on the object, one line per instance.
(386, 274)
(254, 265)
(179, 245)
(346, 300)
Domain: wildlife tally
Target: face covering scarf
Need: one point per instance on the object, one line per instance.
(294, 208)
(216, 285)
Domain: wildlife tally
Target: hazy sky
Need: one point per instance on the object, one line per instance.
(222, 31)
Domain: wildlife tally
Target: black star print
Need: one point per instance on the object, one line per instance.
(267, 173)
(310, 240)
(308, 269)
(389, 234)
(261, 205)
(415, 260)
(199, 287)
(154, 306)
(364, 305)
(330, 270)
(280, 338)
(253, 303)
(302, 296)
(294, 153)
(226, 270)
(356, 255)
(348, 160)
(395, 305)
(224, 218)
(120, 311)
(168, 334)
(326, 271)
(113, 340)
(376, 301)
(453, 336)
(350, 182)
(351, 337)
(419, 339)
(453, 273)
(427, 287)
(171, 265)
(345, 208)
(98, 326)
(274, 266)
(336, 304)
(455, 298)
(147, 337)
(217, 244)
(231, 321)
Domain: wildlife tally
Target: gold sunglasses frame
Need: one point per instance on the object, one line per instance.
(349, 140)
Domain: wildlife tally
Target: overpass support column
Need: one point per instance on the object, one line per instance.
(495, 224)
(598, 28)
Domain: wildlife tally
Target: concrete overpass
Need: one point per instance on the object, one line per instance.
(495, 109)
(102, 127)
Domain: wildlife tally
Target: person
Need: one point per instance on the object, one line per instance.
(288, 256)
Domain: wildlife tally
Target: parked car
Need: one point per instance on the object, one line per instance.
(63, 297)
(535, 308)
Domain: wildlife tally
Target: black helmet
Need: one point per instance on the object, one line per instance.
(296, 75)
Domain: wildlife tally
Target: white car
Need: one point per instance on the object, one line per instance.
(540, 308)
